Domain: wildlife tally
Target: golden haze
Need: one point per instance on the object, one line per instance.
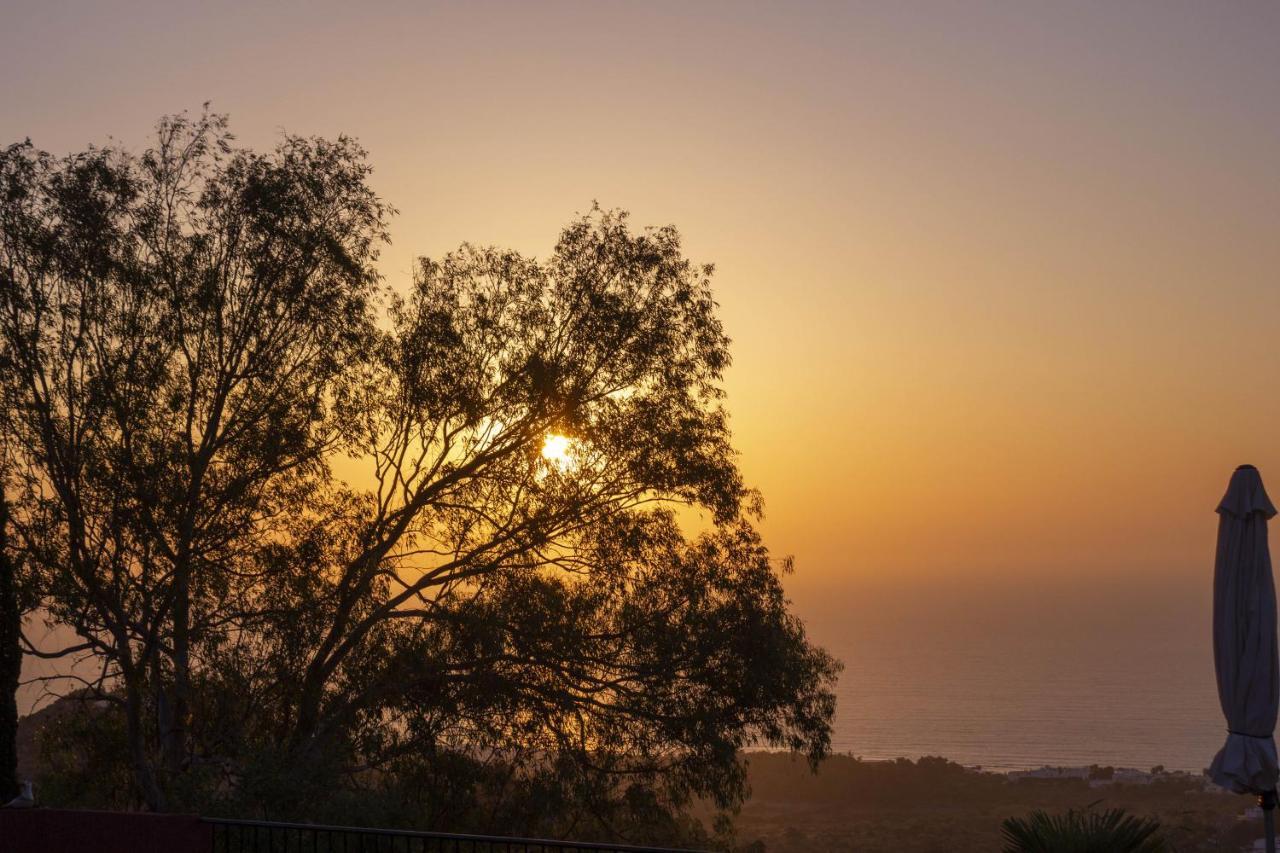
(1001, 277)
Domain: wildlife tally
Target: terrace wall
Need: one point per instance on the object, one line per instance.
(64, 831)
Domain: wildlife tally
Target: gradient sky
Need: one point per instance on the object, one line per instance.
(1001, 277)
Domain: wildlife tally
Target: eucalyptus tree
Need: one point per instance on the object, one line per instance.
(322, 536)
(178, 325)
(518, 581)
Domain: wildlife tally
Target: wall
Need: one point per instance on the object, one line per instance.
(63, 831)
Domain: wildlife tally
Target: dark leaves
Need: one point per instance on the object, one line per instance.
(197, 346)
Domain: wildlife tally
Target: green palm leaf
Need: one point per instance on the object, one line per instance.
(1085, 831)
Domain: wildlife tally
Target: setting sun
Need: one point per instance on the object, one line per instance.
(555, 449)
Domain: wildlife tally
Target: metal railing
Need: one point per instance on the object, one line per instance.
(258, 836)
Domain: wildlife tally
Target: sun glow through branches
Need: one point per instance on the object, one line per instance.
(555, 449)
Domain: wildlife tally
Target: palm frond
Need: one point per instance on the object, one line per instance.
(1083, 831)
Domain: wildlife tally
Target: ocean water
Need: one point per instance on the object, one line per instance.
(1110, 676)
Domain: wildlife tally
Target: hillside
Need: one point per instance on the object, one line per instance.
(933, 805)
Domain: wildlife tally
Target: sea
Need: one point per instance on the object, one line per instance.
(1117, 675)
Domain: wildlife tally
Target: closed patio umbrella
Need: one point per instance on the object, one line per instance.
(1244, 644)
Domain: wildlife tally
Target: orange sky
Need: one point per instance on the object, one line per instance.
(1002, 277)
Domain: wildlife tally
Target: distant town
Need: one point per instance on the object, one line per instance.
(1101, 777)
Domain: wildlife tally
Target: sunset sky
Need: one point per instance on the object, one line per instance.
(1002, 278)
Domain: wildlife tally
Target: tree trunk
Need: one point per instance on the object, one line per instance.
(173, 732)
(10, 661)
(143, 774)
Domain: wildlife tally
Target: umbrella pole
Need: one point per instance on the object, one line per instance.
(1268, 803)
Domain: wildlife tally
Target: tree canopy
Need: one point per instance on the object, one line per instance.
(323, 536)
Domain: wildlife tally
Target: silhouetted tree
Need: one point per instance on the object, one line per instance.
(178, 324)
(200, 348)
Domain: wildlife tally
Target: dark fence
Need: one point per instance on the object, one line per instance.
(251, 836)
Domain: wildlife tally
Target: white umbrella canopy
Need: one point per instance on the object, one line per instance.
(1244, 637)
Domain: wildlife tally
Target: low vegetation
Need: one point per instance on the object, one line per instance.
(927, 806)
(937, 806)
(1083, 831)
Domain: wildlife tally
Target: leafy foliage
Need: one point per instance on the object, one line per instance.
(200, 342)
(1083, 831)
